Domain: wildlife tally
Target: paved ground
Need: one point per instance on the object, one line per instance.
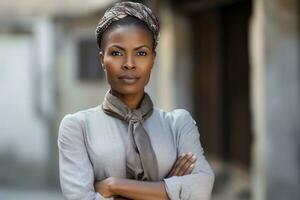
(17, 194)
(231, 183)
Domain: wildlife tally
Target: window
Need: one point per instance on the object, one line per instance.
(89, 65)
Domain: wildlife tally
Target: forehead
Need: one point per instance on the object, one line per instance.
(127, 35)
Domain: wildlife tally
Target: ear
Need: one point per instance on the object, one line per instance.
(101, 59)
(154, 56)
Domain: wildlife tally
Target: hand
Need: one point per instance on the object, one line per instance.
(184, 165)
(104, 187)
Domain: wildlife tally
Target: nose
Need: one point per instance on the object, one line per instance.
(129, 63)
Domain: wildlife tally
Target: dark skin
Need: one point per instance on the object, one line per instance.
(127, 58)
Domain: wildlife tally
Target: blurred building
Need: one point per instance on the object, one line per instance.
(42, 46)
(234, 64)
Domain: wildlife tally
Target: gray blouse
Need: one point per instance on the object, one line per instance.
(92, 147)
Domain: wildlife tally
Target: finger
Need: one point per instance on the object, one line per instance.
(189, 170)
(179, 169)
(182, 163)
(186, 165)
(176, 164)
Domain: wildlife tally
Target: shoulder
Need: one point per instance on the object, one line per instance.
(178, 118)
(81, 115)
(174, 116)
(75, 121)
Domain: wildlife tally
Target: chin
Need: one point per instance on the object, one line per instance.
(129, 90)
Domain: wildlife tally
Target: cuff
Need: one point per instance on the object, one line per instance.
(100, 197)
(173, 188)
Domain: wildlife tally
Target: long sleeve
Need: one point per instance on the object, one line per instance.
(198, 185)
(75, 168)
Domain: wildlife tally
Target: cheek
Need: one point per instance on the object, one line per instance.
(146, 63)
(147, 72)
(111, 66)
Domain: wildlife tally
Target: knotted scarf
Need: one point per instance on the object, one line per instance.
(141, 163)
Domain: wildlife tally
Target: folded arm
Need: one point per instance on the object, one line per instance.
(198, 184)
(134, 189)
(75, 169)
(195, 185)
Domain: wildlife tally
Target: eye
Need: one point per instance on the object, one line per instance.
(116, 53)
(141, 53)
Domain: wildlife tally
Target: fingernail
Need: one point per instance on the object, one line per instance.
(192, 166)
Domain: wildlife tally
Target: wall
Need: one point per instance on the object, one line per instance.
(276, 97)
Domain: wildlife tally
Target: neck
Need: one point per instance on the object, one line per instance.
(131, 100)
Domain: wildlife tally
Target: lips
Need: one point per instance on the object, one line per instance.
(129, 79)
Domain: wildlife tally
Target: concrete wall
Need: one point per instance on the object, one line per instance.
(36, 8)
(276, 97)
(171, 85)
(26, 103)
(74, 94)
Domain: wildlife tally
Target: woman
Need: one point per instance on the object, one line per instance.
(125, 148)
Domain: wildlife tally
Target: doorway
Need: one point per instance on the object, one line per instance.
(221, 81)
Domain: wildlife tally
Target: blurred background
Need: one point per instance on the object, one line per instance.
(234, 64)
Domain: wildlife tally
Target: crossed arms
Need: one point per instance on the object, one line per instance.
(132, 189)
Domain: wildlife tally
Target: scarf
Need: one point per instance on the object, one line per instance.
(124, 9)
(141, 163)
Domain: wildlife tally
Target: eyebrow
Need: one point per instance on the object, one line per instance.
(136, 48)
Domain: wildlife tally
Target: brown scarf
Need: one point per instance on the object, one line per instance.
(141, 160)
